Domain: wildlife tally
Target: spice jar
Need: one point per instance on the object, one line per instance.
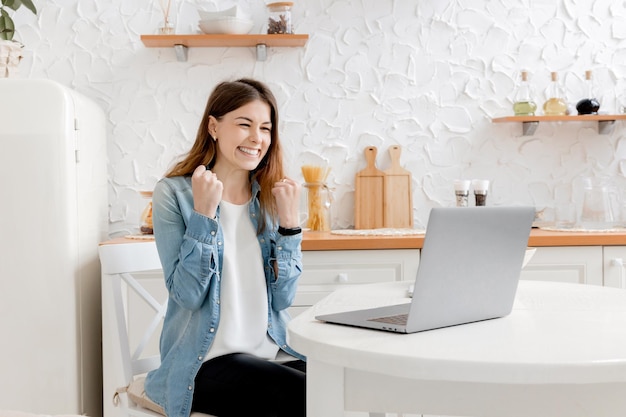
(318, 205)
(279, 20)
(146, 214)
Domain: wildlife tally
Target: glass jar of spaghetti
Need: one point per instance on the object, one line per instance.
(319, 199)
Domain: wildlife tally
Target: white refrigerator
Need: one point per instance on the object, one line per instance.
(53, 214)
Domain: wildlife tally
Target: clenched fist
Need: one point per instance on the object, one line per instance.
(207, 191)
(287, 195)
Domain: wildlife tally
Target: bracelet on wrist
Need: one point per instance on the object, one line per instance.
(290, 231)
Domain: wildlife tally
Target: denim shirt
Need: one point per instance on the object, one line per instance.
(190, 247)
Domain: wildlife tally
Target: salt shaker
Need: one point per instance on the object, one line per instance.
(461, 190)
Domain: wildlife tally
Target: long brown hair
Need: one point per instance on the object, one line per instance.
(226, 97)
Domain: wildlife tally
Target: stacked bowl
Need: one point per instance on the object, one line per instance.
(228, 21)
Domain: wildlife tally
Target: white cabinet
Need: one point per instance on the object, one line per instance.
(615, 266)
(324, 271)
(595, 265)
(575, 264)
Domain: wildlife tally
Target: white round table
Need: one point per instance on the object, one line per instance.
(561, 352)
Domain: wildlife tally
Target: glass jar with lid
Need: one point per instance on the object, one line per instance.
(279, 19)
(146, 215)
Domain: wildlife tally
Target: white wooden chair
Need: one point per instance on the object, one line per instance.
(125, 269)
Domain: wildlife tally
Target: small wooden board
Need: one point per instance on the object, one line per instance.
(398, 206)
(369, 194)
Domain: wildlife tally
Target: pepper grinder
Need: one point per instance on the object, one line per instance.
(480, 191)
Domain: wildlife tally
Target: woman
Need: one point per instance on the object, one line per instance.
(226, 229)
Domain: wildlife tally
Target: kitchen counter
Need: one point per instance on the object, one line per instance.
(327, 241)
(315, 241)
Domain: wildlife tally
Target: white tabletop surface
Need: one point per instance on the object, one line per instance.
(557, 333)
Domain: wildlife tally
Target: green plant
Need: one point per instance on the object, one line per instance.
(7, 27)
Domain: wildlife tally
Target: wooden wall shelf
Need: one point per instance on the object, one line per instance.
(181, 42)
(530, 123)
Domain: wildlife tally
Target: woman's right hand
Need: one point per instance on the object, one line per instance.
(207, 191)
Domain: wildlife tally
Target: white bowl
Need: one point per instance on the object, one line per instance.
(226, 25)
(232, 12)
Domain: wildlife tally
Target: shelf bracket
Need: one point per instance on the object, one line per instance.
(181, 52)
(605, 127)
(261, 52)
(529, 128)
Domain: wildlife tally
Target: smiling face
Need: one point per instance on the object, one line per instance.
(243, 137)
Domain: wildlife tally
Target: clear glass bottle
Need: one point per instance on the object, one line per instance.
(555, 105)
(589, 104)
(319, 200)
(167, 28)
(524, 104)
(279, 20)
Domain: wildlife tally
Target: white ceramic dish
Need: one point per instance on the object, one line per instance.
(231, 12)
(226, 25)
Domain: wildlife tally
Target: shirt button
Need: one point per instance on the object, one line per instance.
(279, 248)
(212, 233)
(189, 387)
(262, 240)
(253, 214)
(212, 330)
(199, 358)
(219, 243)
(284, 346)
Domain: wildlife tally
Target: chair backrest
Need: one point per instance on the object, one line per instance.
(123, 265)
(127, 270)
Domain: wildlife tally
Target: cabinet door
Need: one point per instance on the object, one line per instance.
(575, 264)
(615, 266)
(324, 271)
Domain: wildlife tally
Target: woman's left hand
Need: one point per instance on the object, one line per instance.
(287, 195)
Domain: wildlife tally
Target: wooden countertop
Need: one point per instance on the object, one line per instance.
(313, 241)
(327, 241)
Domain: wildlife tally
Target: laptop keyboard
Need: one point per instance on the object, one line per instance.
(397, 319)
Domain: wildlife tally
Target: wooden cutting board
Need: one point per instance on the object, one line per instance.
(398, 203)
(369, 194)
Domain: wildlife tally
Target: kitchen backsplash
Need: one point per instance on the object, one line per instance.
(426, 75)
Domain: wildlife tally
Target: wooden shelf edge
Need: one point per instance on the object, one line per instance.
(574, 118)
(224, 40)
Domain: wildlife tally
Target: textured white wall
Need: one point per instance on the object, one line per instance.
(428, 75)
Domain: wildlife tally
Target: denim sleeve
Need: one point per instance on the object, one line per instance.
(186, 242)
(288, 257)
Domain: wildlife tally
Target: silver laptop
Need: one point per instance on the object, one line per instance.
(469, 270)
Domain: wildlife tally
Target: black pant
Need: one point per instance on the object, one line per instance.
(242, 385)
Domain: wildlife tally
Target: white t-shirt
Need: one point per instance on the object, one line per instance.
(243, 299)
